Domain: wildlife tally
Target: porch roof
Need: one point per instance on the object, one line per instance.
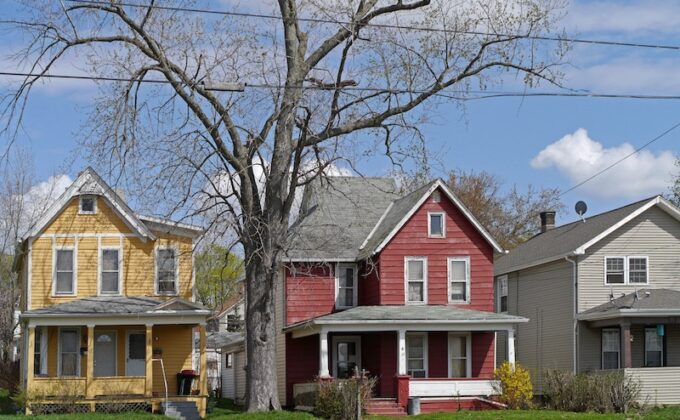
(226, 340)
(132, 309)
(643, 303)
(411, 317)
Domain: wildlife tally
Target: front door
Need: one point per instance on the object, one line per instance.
(346, 356)
(135, 354)
(105, 353)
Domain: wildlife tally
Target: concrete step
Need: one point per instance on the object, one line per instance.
(181, 410)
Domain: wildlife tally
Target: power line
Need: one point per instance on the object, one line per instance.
(658, 137)
(239, 87)
(388, 26)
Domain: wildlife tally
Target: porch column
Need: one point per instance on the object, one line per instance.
(148, 383)
(30, 350)
(626, 356)
(511, 346)
(401, 352)
(89, 390)
(323, 354)
(203, 361)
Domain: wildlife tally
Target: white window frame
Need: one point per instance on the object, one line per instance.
(78, 361)
(80, 204)
(468, 351)
(406, 280)
(645, 345)
(100, 268)
(74, 282)
(429, 224)
(425, 351)
(468, 280)
(618, 359)
(42, 351)
(155, 262)
(338, 269)
(626, 270)
(499, 291)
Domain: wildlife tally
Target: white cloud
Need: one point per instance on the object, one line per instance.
(616, 16)
(40, 196)
(578, 157)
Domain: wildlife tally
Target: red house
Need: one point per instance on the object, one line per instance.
(398, 285)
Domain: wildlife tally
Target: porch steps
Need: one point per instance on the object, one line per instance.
(181, 410)
(384, 407)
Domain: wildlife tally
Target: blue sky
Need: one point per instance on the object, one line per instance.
(515, 139)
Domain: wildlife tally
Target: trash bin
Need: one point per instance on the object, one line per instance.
(184, 381)
(413, 408)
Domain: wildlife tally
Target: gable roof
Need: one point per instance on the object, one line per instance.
(89, 182)
(353, 218)
(576, 237)
(401, 211)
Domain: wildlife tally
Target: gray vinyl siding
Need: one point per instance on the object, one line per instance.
(240, 377)
(227, 378)
(589, 348)
(654, 234)
(501, 336)
(280, 340)
(544, 294)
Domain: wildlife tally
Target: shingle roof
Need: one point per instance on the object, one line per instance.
(222, 339)
(632, 304)
(563, 240)
(414, 313)
(338, 214)
(119, 305)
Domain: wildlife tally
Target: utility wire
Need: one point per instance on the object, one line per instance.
(239, 87)
(636, 151)
(386, 26)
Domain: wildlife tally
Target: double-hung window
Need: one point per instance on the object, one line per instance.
(459, 279)
(416, 279)
(416, 354)
(459, 355)
(435, 224)
(626, 270)
(346, 281)
(110, 272)
(502, 294)
(611, 348)
(64, 275)
(69, 352)
(653, 347)
(166, 271)
(40, 352)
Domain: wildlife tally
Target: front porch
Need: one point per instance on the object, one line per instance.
(448, 356)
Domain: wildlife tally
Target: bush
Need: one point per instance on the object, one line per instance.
(337, 399)
(514, 385)
(6, 403)
(602, 392)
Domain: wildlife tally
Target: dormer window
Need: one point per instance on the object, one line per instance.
(435, 225)
(88, 204)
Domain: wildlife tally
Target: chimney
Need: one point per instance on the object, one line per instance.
(547, 220)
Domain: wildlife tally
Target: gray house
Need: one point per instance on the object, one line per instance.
(600, 293)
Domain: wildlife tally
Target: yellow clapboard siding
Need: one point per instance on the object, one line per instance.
(105, 220)
(175, 341)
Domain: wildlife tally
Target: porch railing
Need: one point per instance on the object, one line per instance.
(117, 385)
(658, 385)
(446, 387)
(58, 387)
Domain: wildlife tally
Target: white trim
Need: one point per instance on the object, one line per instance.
(100, 268)
(499, 279)
(175, 249)
(94, 204)
(608, 257)
(76, 320)
(177, 228)
(498, 272)
(468, 352)
(115, 350)
(429, 224)
(74, 279)
(355, 284)
(356, 339)
(43, 351)
(626, 270)
(466, 212)
(406, 280)
(193, 271)
(468, 280)
(86, 235)
(127, 348)
(375, 227)
(29, 283)
(424, 335)
(78, 361)
(432, 389)
(319, 260)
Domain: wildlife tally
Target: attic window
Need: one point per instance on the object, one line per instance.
(435, 225)
(436, 196)
(88, 204)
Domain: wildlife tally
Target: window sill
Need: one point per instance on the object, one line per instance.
(64, 295)
(459, 302)
(416, 303)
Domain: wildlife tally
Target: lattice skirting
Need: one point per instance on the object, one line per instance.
(123, 407)
(59, 408)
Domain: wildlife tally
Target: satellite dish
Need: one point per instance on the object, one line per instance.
(581, 209)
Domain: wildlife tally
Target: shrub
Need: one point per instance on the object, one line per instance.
(337, 398)
(514, 385)
(602, 392)
(6, 403)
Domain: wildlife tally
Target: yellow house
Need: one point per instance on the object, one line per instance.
(108, 313)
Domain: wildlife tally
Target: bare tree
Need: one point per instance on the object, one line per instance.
(328, 82)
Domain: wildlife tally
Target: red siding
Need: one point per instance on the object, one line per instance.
(310, 292)
(462, 239)
(482, 355)
(302, 362)
(369, 283)
(379, 358)
(435, 406)
(438, 354)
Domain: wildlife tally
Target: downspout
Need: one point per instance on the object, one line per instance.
(575, 310)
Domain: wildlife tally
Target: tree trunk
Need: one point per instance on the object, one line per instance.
(261, 384)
